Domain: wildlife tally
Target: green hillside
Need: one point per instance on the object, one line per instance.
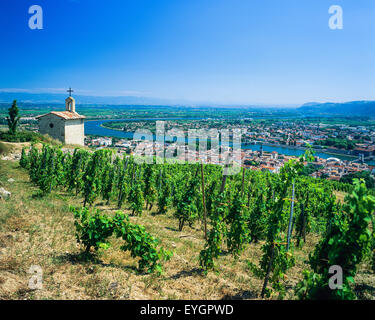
(38, 228)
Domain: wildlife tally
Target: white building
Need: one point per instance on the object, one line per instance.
(106, 142)
(67, 126)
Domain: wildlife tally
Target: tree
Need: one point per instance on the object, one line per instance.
(13, 118)
(309, 169)
(24, 159)
(365, 175)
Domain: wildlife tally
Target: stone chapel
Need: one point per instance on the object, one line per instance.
(67, 126)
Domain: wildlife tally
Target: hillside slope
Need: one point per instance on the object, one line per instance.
(354, 108)
(37, 230)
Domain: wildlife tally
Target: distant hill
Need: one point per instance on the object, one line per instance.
(59, 98)
(355, 108)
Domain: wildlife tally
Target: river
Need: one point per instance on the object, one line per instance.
(94, 127)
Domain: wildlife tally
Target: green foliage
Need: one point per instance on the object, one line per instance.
(276, 259)
(251, 163)
(365, 175)
(141, 244)
(309, 169)
(187, 209)
(347, 241)
(165, 196)
(24, 162)
(258, 207)
(251, 207)
(92, 178)
(93, 229)
(150, 193)
(337, 143)
(13, 118)
(28, 136)
(216, 235)
(136, 199)
(238, 232)
(75, 169)
(45, 168)
(108, 181)
(120, 180)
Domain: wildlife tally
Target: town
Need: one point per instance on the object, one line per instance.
(346, 147)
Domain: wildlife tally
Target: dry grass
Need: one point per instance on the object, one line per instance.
(40, 231)
(16, 146)
(340, 196)
(5, 148)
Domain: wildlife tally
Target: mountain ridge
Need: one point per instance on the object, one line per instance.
(358, 108)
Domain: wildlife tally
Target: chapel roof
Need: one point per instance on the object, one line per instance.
(67, 115)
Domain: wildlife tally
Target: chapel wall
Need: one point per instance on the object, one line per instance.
(58, 129)
(75, 132)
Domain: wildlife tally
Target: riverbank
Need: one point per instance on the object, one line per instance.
(103, 126)
(95, 127)
(264, 143)
(314, 149)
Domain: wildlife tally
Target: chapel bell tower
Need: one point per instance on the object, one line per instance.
(70, 103)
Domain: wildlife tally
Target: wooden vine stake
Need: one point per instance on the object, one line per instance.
(268, 271)
(223, 184)
(304, 220)
(303, 223)
(122, 176)
(159, 180)
(133, 175)
(204, 202)
(243, 181)
(290, 220)
(225, 171)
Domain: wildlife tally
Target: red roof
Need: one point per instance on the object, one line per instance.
(67, 115)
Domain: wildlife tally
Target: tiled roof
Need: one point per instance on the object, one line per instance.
(67, 115)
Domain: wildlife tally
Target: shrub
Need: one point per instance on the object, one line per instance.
(27, 136)
(94, 228)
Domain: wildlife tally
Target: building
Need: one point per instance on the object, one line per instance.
(102, 141)
(67, 126)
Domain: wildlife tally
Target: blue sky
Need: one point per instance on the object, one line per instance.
(219, 51)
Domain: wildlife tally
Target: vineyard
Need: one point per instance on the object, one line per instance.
(267, 223)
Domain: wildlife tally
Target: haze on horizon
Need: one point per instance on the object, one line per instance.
(217, 51)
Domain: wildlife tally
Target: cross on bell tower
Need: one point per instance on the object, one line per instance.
(70, 103)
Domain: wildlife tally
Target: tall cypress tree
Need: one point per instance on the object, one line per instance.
(13, 118)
